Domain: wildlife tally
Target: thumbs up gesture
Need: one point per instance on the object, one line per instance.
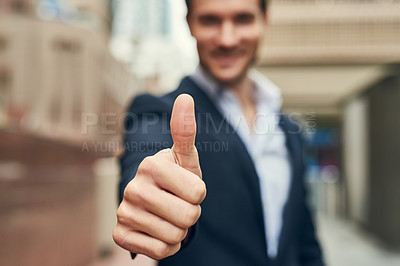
(163, 200)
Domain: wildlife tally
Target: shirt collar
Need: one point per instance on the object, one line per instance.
(266, 92)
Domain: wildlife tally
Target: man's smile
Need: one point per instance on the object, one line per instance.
(227, 59)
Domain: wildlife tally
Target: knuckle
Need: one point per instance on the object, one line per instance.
(121, 214)
(198, 191)
(142, 197)
(131, 190)
(178, 235)
(119, 237)
(174, 249)
(136, 194)
(124, 216)
(192, 215)
(122, 239)
(161, 250)
(147, 165)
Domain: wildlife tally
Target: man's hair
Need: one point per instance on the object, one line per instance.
(263, 5)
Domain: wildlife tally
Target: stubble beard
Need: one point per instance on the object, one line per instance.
(235, 81)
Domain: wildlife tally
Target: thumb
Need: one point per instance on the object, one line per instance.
(183, 132)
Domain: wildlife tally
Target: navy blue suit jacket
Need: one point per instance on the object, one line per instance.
(230, 230)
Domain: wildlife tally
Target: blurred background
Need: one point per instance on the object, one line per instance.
(69, 68)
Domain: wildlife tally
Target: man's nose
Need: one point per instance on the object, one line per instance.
(227, 36)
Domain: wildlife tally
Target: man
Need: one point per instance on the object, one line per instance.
(249, 156)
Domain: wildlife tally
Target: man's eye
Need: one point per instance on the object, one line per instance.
(244, 19)
(209, 20)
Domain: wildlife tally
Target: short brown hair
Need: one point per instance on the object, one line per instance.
(263, 5)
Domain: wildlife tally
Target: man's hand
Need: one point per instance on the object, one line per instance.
(162, 201)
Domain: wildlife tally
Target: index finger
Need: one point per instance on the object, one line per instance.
(180, 182)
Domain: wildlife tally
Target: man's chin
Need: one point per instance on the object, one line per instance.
(228, 76)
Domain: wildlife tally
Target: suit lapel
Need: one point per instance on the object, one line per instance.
(204, 105)
(291, 132)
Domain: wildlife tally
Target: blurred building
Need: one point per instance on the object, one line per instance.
(141, 19)
(136, 22)
(371, 150)
(62, 96)
(146, 36)
(337, 62)
(57, 69)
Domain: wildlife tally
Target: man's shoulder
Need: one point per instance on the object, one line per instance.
(145, 103)
(148, 103)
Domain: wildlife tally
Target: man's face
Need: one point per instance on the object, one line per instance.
(228, 33)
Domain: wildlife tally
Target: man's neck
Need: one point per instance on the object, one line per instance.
(244, 92)
(243, 88)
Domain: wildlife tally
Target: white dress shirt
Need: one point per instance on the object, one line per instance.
(265, 143)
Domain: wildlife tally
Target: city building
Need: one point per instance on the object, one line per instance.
(147, 36)
(62, 95)
(337, 61)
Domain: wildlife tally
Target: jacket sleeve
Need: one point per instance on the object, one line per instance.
(146, 131)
